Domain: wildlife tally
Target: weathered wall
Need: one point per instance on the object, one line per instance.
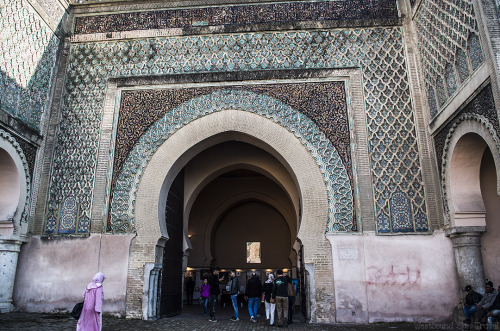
(394, 278)
(52, 273)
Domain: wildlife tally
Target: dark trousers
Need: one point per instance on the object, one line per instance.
(291, 306)
(213, 303)
(189, 295)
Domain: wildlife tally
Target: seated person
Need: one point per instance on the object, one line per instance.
(483, 306)
(494, 312)
(471, 300)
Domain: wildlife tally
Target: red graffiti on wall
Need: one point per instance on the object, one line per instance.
(394, 276)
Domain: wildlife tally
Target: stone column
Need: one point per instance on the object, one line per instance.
(9, 252)
(468, 258)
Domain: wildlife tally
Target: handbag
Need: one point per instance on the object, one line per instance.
(77, 310)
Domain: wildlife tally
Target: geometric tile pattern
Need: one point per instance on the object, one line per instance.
(69, 211)
(482, 105)
(449, 47)
(27, 60)
(322, 102)
(224, 15)
(334, 173)
(379, 52)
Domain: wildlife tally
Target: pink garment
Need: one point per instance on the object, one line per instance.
(91, 317)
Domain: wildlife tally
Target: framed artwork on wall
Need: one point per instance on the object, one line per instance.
(253, 252)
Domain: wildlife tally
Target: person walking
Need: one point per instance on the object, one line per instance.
(189, 290)
(205, 294)
(213, 281)
(93, 296)
(234, 289)
(252, 294)
(267, 290)
(280, 296)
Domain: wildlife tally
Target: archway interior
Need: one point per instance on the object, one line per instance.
(465, 187)
(9, 192)
(490, 240)
(236, 194)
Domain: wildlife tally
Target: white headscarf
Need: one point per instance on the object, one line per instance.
(96, 281)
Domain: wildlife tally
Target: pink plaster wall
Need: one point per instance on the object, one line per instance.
(490, 241)
(52, 274)
(394, 278)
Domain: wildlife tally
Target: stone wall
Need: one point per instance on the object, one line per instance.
(399, 278)
(53, 273)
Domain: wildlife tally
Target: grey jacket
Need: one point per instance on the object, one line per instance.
(488, 299)
(234, 286)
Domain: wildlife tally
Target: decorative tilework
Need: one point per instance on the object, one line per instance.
(323, 102)
(462, 65)
(482, 105)
(379, 52)
(27, 60)
(475, 52)
(431, 99)
(69, 210)
(440, 91)
(451, 79)
(239, 15)
(443, 29)
(334, 173)
(30, 153)
(401, 214)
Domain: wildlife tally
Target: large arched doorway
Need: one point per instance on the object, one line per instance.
(289, 166)
(249, 202)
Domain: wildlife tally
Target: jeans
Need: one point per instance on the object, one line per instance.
(213, 303)
(205, 305)
(492, 319)
(253, 306)
(282, 309)
(469, 310)
(270, 307)
(234, 299)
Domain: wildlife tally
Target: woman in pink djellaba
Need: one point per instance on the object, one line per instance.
(91, 317)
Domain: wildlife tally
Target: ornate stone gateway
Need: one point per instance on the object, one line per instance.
(350, 120)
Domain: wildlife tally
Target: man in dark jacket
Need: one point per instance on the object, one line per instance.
(253, 294)
(213, 281)
(234, 289)
(190, 290)
(280, 296)
(471, 300)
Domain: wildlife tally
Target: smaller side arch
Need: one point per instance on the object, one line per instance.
(19, 213)
(463, 150)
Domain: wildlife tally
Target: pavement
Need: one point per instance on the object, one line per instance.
(192, 319)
